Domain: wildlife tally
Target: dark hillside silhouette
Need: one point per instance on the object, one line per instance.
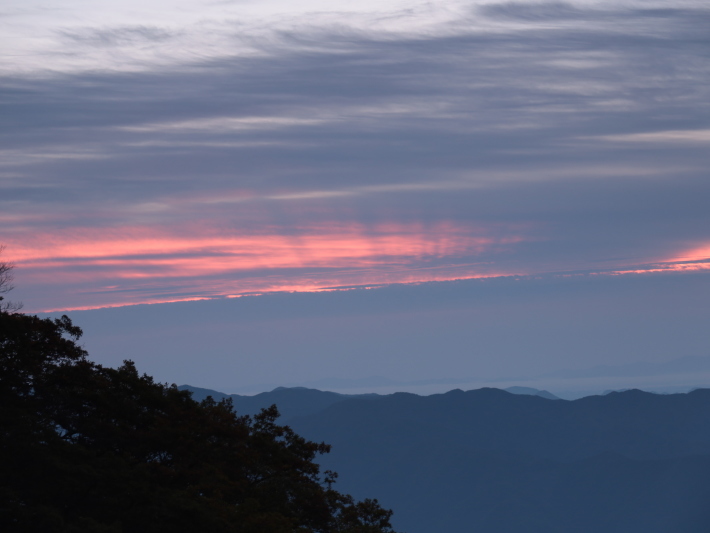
(94, 449)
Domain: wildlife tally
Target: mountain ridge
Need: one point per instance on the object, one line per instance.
(301, 401)
(487, 460)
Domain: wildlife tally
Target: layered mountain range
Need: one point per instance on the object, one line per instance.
(494, 461)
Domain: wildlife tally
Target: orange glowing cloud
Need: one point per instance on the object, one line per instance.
(131, 251)
(135, 265)
(694, 254)
(693, 260)
(673, 267)
(131, 265)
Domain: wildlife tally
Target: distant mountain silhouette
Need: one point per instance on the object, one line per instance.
(634, 423)
(291, 401)
(490, 461)
(301, 401)
(532, 392)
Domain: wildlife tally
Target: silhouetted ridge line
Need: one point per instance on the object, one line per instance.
(488, 460)
(291, 401)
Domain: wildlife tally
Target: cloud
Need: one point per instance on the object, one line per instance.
(136, 265)
(119, 36)
(583, 124)
(663, 137)
(511, 327)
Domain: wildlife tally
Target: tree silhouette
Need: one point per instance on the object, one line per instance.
(89, 448)
(6, 285)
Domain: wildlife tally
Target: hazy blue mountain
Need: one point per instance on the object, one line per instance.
(636, 424)
(291, 401)
(200, 394)
(301, 401)
(532, 392)
(515, 461)
(490, 461)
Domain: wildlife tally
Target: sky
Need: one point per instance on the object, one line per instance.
(497, 162)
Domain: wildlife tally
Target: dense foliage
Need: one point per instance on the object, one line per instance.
(89, 448)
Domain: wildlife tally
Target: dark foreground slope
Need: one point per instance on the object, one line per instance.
(86, 448)
(494, 462)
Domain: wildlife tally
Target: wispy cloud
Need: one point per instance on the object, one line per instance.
(119, 36)
(663, 137)
(406, 143)
(127, 262)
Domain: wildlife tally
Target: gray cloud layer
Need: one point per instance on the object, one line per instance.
(587, 126)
